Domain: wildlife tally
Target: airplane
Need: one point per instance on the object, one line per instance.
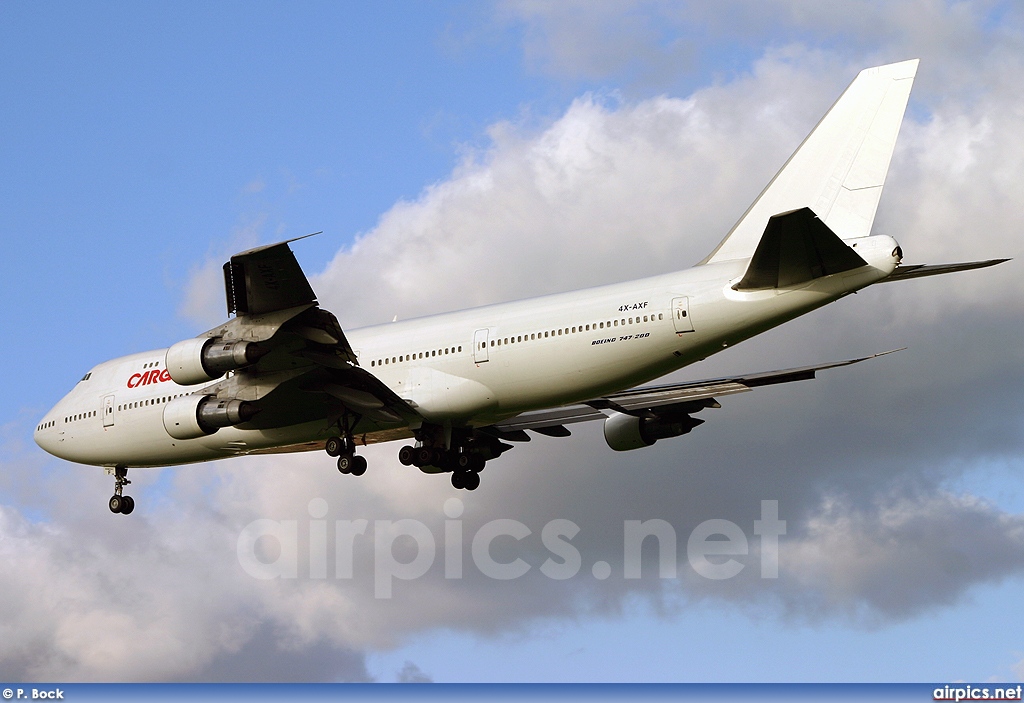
(281, 375)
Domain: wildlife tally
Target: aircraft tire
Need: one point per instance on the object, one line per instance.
(127, 505)
(358, 465)
(423, 456)
(333, 446)
(114, 504)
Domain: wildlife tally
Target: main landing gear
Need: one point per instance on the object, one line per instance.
(464, 467)
(121, 503)
(348, 461)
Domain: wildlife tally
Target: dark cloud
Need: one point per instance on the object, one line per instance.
(264, 657)
(410, 673)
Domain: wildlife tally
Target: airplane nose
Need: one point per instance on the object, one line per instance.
(41, 440)
(46, 438)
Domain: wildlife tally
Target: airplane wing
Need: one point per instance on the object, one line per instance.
(903, 272)
(674, 399)
(306, 368)
(266, 279)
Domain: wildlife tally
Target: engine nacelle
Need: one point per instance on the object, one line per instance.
(625, 432)
(194, 416)
(203, 359)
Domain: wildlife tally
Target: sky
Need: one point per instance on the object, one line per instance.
(457, 154)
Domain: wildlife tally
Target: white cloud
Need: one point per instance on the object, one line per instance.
(203, 301)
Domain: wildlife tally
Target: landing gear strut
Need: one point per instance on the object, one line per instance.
(344, 448)
(121, 503)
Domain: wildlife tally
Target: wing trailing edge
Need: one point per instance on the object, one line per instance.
(675, 398)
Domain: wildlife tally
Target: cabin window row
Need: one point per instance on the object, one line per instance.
(574, 330)
(48, 424)
(148, 402)
(401, 358)
(79, 416)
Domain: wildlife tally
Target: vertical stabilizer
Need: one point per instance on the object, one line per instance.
(840, 168)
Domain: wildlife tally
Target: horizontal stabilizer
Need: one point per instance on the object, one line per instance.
(797, 247)
(920, 270)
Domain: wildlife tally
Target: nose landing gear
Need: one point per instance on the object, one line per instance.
(120, 503)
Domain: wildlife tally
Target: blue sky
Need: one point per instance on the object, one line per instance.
(142, 144)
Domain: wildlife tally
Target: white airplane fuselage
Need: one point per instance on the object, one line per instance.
(472, 367)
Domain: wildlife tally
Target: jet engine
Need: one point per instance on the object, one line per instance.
(624, 432)
(203, 359)
(194, 416)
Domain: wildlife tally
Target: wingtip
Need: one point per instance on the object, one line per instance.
(264, 247)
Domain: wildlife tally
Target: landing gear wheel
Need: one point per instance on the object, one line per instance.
(334, 446)
(119, 503)
(459, 479)
(407, 455)
(423, 456)
(471, 481)
(358, 465)
(463, 462)
(345, 462)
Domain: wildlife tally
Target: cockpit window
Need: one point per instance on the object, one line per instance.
(86, 377)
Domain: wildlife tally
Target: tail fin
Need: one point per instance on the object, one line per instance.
(840, 168)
